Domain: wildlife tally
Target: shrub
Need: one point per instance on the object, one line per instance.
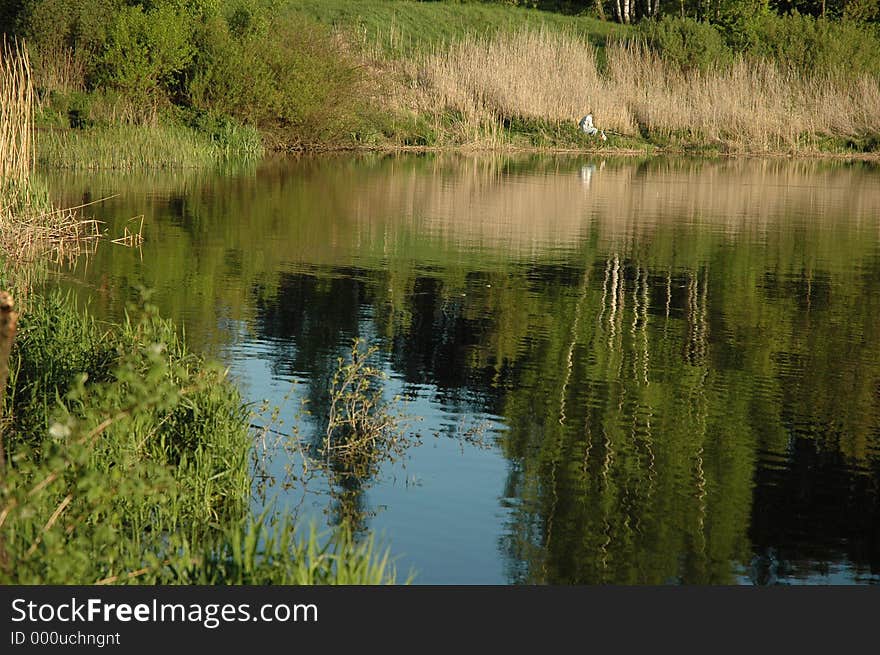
(80, 24)
(294, 78)
(363, 429)
(145, 52)
(736, 21)
(862, 11)
(815, 45)
(686, 43)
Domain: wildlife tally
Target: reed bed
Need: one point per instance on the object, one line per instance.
(16, 113)
(140, 147)
(552, 76)
(30, 228)
(59, 234)
(60, 68)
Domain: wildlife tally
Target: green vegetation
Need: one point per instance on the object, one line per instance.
(128, 462)
(123, 457)
(805, 45)
(363, 429)
(214, 68)
(404, 28)
(226, 78)
(135, 147)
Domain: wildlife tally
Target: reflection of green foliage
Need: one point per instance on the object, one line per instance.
(639, 371)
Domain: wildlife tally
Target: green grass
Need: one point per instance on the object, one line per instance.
(402, 27)
(139, 147)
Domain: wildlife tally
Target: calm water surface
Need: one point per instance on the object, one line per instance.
(627, 371)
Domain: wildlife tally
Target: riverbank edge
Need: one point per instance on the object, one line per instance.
(196, 160)
(612, 151)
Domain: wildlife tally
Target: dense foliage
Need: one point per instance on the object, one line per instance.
(202, 62)
(804, 44)
(129, 463)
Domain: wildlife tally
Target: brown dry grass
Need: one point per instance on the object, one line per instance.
(16, 113)
(29, 227)
(60, 68)
(549, 75)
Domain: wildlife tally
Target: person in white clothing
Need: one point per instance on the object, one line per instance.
(586, 124)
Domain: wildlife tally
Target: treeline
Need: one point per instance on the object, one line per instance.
(805, 45)
(211, 64)
(628, 11)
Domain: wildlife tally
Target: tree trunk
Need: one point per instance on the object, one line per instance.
(8, 321)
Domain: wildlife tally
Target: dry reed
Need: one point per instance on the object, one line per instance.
(553, 76)
(60, 68)
(29, 228)
(16, 113)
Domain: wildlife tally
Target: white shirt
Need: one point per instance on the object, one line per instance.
(586, 124)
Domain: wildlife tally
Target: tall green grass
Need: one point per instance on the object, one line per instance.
(138, 147)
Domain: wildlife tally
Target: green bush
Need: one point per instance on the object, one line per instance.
(816, 45)
(292, 78)
(862, 11)
(690, 44)
(145, 52)
(80, 24)
(736, 20)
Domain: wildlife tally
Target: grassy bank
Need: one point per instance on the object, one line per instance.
(394, 28)
(489, 76)
(186, 84)
(127, 147)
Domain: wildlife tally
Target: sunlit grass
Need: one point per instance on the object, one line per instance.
(481, 91)
(403, 27)
(139, 147)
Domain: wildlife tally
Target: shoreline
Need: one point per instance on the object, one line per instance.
(652, 151)
(85, 150)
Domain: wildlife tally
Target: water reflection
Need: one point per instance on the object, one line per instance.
(681, 358)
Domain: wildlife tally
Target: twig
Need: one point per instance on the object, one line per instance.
(128, 576)
(58, 510)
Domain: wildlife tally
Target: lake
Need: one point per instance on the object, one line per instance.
(628, 371)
